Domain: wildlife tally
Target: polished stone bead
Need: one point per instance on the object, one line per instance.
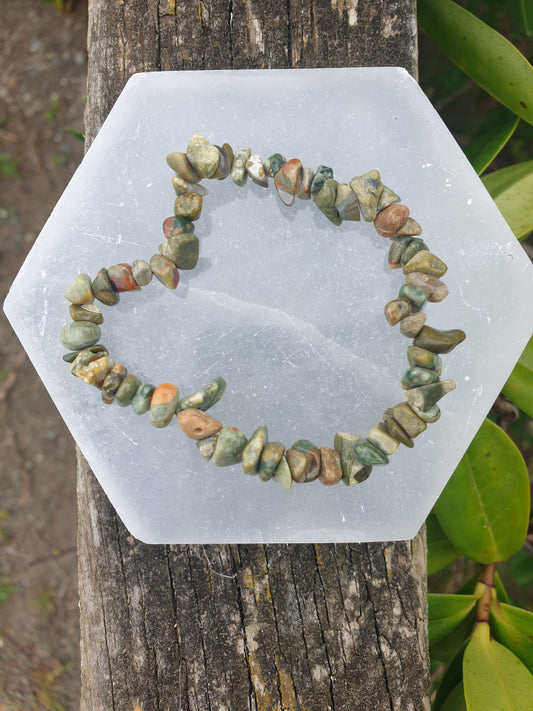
(416, 245)
(228, 150)
(207, 446)
(438, 341)
(330, 466)
(181, 165)
(126, 390)
(197, 424)
(435, 289)
(299, 464)
(69, 357)
(256, 170)
(424, 358)
(411, 325)
(414, 294)
(112, 382)
(224, 163)
(346, 203)
(229, 447)
(425, 396)
(79, 290)
(165, 270)
(270, 458)
(121, 276)
(381, 438)
(205, 398)
(142, 399)
(429, 416)
(103, 289)
(238, 167)
(188, 206)
(313, 452)
(182, 249)
(368, 188)
(427, 263)
(282, 475)
(394, 429)
(397, 248)
(80, 334)
(410, 423)
(163, 405)
(391, 219)
(203, 156)
(416, 376)
(322, 174)
(175, 224)
(396, 310)
(84, 357)
(96, 372)
(353, 472)
(304, 191)
(252, 452)
(368, 454)
(288, 179)
(86, 312)
(141, 272)
(411, 227)
(273, 164)
(325, 198)
(182, 187)
(387, 197)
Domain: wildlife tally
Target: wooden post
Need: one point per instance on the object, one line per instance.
(245, 627)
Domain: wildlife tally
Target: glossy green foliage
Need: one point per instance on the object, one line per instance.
(513, 627)
(440, 549)
(493, 677)
(445, 612)
(452, 677)
(484, 149)
(484, 508)
(512, 188)
(519, 386)
(481, 52)
(456, 700)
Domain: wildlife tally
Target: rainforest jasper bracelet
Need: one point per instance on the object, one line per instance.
(351, 458)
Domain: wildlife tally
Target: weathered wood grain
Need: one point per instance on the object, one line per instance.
(311, 627)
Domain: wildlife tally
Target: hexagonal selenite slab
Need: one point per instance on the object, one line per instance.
(285, 306)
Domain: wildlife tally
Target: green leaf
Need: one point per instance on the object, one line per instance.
(522, 10)
(452, 676)
(493, 677)
(446, 612)
(484, 149)
(481, 52)
(484, 508)
(446, 648)
(456, 700)
(513, 627)
(519, 387)
(440, 550)
(521, 569)
(511, 190)
(501, 592)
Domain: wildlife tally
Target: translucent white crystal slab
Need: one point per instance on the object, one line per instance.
(285, 306)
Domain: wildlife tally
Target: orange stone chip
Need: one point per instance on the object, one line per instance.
(197, 424)
(163, 394)
(391, 219)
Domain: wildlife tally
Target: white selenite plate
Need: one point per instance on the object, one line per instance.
(285, 306)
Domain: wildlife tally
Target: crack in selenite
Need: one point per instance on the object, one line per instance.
(326, 349)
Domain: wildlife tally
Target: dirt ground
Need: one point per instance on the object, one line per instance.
(43, 64)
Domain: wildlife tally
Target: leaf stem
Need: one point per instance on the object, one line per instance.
(484, 588)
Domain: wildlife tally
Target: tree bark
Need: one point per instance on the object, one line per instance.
(239, 627)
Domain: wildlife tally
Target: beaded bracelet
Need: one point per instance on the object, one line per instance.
(351, 458)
